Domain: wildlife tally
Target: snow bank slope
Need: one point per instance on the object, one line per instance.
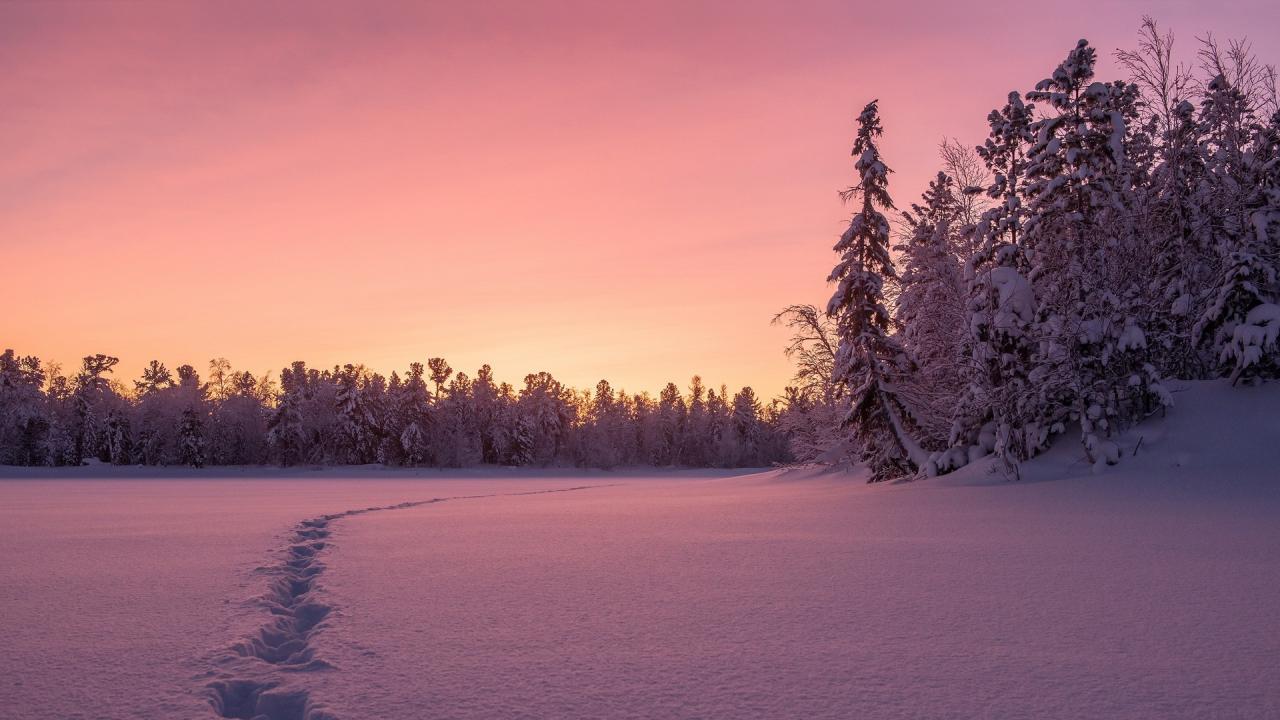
(1214, 431)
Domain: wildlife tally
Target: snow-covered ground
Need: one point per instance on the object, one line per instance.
(119, 598)
(1147, 589)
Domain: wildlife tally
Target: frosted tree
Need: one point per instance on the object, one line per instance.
(238, 429)
(191, 441)
(545, 416)
(415, 445)
(285, 432)
(355, 421)
(155, 377)
(694, 449)
(869, 361)
(504, 426)
(391, 424)
(965, 166)
(440, 373)
(488, 412)
(816, 404)
(1164, 82)
(415, 417)
(999, 409)
(220, 378)
(720, 442)
(24, 414)
(1093, 364)
(1237, 326)
(1242, 321)
(646, 429)
(747, 430)
(321, 422)
(812, 346)
(603, 428)
(60, 439)
(118, 437)
(374, 402)
(460, 436)
(671, 417)
(1254, 348)
(92, 398)
(931, 308)
(1179, 233)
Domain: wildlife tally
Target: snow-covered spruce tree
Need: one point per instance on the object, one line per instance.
(356, 429)
(930, 310)
(374, 402)
(285, 434)
(1254, 348)
(624, 435)
(999, 409)
(694, 449)
(671, 418)
(1244, 320)
(92, 400)
(869, 361)
(722, 444)
(191, 441)
(118, 438)
(545, 417)
(24, 415)
(1265, 202)
(60, 443)
(602, 429)
(504, 427)
(524, 441)
(487, 411)
(1253, 351)
(644, 428)
(414, 410)
(459, 434)
(747, 429)
(1093, 365)
(156, 416)
(391, 424)
(1239, 324)
(1177, 232)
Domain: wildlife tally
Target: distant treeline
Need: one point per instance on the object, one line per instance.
(430, 416)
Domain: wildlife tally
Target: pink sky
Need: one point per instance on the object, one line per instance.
(594, 189)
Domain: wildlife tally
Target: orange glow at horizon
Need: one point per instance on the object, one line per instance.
(593, 190)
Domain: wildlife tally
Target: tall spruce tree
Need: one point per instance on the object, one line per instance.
(869, 361)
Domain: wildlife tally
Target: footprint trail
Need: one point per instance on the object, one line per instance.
(252, 679)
